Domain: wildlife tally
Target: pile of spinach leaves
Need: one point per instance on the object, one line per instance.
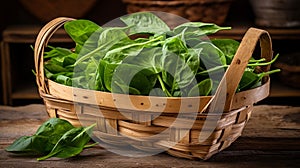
(54, 138)
(146, 57)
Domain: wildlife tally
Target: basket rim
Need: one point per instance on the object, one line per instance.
(63, 93)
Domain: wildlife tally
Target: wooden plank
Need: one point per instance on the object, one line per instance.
(6, 73)
(271, 138)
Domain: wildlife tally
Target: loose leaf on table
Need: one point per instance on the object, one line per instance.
(43, 140)
(71, 143)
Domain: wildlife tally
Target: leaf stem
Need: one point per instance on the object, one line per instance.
(165, 90)
(258, 63)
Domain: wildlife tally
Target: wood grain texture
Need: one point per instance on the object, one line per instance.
(270, 139)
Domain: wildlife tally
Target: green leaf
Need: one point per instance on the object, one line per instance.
(106, 71)
(176, 72)
(57, 52)
(210, 56)
(65, 80)
(71, 143)
(228, 47)
(54, 67)
(30, 145)
(179, 64)
(203, 88)
(106, 40)
(132, 79)
(198, 29)
(118, 54)
(150, 59)
(43, 140)
(145, 22)
(251, 79)
(80, 30)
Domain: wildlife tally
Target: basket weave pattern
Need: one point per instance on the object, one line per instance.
(122, 125)
(194, 10)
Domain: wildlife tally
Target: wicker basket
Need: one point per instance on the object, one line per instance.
(122, 124)
(214, 11)
(276, 13)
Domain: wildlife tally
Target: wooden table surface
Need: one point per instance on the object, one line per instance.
(270, 139)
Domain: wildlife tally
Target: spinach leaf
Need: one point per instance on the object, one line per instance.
(196, 29)
(80, 30)
(210, 56)
(118, 54)
(228, 47)
(62, 79)
(150, 59)
(56, 52)
(106, 71)
(71, 143)
(203, 88)
(176, 72)
(250, 79)
(43, 140)
(30, 145)
(107, 39)
(145, 22)
(132, 79)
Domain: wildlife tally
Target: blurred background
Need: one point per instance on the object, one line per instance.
(20, 21)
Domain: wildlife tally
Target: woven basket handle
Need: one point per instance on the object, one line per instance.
(41, 42)
(236, 69)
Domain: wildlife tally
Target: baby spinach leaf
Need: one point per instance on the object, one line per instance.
(118, 54)
(250, 79)
(175, 45)
(107, 39)
(43, 140)
(203, 88)
(132, 78)
(210, 56)
(65, 80)
(71, 143)
(80, 30)
(124, 89)
(148, 58)
(196, 29)
(57, 52)
(176, 72)
(145, 22)
(30, 145)
(228, 47)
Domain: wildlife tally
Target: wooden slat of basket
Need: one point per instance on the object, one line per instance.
(141, 103)
(105, 99)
